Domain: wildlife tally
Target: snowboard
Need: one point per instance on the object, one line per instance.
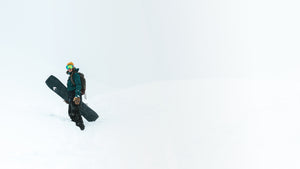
(60, 89)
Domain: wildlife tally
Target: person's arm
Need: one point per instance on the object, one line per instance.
(78, 87)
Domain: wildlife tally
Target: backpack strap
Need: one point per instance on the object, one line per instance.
(71, 78)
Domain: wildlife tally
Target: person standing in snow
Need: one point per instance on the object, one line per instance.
(74, 95)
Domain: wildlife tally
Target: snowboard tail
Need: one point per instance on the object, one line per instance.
(60, 89)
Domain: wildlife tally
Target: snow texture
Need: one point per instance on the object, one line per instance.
(208, 123)
(185, 84)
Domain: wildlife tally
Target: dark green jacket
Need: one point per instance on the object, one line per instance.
(76, 79)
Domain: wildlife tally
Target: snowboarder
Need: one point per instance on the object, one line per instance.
(74, 87)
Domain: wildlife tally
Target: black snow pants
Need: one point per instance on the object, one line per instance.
(74, 110)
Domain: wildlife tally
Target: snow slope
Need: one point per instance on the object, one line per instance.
(211, 122)
(205, 123)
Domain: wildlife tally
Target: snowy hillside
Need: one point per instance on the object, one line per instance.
(209, 123)
(185, 84)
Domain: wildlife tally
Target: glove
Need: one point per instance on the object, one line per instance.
(76, 100)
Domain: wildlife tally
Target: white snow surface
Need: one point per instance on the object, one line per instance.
(185, 84)
(204, 123)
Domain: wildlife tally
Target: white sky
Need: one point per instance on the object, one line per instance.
(122, 43)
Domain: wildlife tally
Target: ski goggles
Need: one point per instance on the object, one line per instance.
(69, 67)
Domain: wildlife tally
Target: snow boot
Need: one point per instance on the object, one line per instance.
(80, 125)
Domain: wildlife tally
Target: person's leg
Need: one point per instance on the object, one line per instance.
(77, 116)
(71, 114)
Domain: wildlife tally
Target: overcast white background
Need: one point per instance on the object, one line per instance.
(122, 43)
(205, 83)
